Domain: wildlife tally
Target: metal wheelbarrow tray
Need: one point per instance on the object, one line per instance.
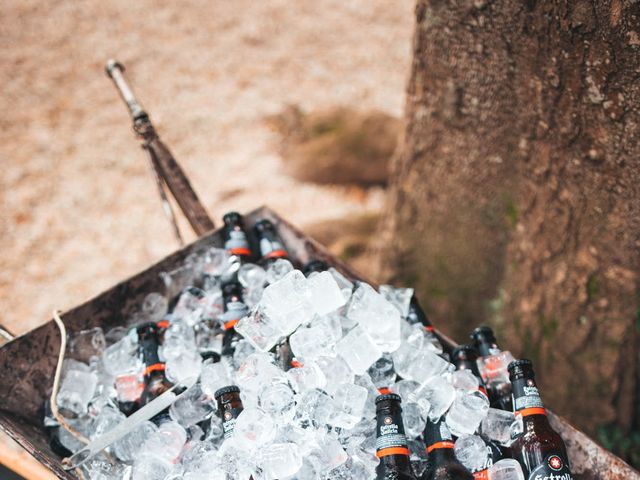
(28, 362)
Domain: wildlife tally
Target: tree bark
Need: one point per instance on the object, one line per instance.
(515, 199)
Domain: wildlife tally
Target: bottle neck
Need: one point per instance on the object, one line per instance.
(486, 348)
(391, 440)
(439, 441)
(526, 398)
(229, 407)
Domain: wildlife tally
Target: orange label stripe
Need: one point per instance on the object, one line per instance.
(443, 444)
(392, 451)
(230, 324)
(429, 328)
(531, 411)
(240, 251)
(481, 475)
(276, 253)
(163, 324)
(156, 367)
(384, 391)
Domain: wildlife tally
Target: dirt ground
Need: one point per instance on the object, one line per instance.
(79, 208)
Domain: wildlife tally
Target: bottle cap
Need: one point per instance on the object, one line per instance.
(225, 390)
(483, 333)
(388, 396)
(147, 326)
(315, 266)
(518, 366)
(464, 352)
(231, 217)
(262, 225)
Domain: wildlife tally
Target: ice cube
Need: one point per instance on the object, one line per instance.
(399, 297)
(464, 380)
(358, 350)
(278, 269)
(405, 389)
(466, 412)
(365, 381)
(129, 387)
(435, 396)
(332, 454)
(213, 377)
(314, 407)
(192, 407)
(155, 306)
(506, 469)
(148, 467)
(306, 377)
(254, 428)
(414, 419)
(493, 368)
(379, 318)
(186, 365)
(86, 344)
(76, 392)
(325, 295)
(285, 302)
(346, 285)
(382, 372)
(260, 329)
(497, 426)
(277, 400)
(122, 356)
(336, 370)
(166, 443)
(280, 460)
(418, 364)
(103, 468)
(252, 276)
(349, 403)
(472, 452)
(127, 448)
(311, 343)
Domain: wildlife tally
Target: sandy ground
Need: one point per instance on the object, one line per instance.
(79, 208)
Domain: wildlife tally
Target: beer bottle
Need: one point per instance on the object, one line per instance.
(155, 380)
(270, 245)
(314, 266)
(465, 357)
(492, 365)
(234, 236)
(442, 462)
(234, 310)
(539, 449)
(229, 407)
(391, 442)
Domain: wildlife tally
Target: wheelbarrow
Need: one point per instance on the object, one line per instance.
(28, 362)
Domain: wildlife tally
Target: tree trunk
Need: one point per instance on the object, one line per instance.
(515, 199)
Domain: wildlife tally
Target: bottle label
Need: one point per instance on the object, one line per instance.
(237, 243)
(554, 467)
(437, 435)
(229, 421)
(234, 310)
(526, 397)
(391, 439)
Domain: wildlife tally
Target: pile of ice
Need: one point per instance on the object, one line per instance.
(315, 421)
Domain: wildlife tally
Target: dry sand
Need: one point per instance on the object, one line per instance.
(79, 208)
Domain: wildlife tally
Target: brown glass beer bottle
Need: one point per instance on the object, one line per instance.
(539, 449)
(155, 380)
(271, 247)
(234, 310)
(492, 364)
(229, 407)
(391, 442)
(234, 236)
(443, 464)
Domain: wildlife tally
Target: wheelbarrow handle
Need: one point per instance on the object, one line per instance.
(115, 71)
